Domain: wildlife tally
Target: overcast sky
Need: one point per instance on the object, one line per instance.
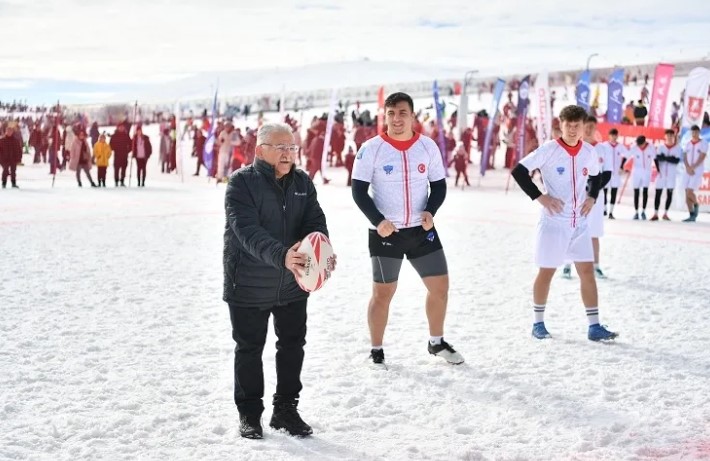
(140, 41)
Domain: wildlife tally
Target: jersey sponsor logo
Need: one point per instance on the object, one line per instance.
(388, 169)
(560, 170)
(421, 168)
(386, 244)
(585, 171)
(300, 194)
(431, 236)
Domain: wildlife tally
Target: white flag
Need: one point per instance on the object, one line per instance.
(696, 95)
(544, 111)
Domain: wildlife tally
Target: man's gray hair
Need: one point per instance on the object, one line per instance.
(268, 129)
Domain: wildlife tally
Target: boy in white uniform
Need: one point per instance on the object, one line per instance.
(595, 220)
(667, 163)
(568, 166)
(616, 153)
(644, 155)
(694, 161)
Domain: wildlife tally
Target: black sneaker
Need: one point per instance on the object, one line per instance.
(446, 352)
(250, 426)
(286, 417)
(377, 356)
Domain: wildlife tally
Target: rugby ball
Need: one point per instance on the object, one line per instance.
(319, 261)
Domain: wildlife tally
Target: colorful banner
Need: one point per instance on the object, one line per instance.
(583, 90)
(492, 119)
(329, 130)
(659, 97)
(696, 93)
(544, 109)
(381, 111)
(440, 126)
(522, 114)
(208, 153)
(615, 97)
(629, 133)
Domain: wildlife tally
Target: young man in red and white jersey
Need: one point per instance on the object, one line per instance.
(667, 163)
(694, 155)
(595, 220)
(644, 155)
(399, 168)
(616, 152)
(569, 167)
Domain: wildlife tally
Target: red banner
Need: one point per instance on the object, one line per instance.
(629, 133)
(659, 96)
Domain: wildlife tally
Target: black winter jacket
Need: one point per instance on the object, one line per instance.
(263, 221)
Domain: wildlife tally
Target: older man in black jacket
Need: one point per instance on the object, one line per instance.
(270, 208)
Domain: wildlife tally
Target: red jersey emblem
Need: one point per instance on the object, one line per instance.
(421, 168)
(585, 172)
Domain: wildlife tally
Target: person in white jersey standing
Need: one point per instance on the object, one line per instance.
(399, 168)
(570, 172)
(668, 159)
(644, 155)
(595, 220)
(616, 152)
(694, 155)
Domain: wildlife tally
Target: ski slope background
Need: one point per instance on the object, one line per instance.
(115, 344)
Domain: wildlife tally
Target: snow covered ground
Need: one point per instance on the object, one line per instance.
(115, 344)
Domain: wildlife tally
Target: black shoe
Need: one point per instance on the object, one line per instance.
(377, 356)
(4, 186)
(80, 185)
(250, 426)
(93, 184)
(286, 417)
(611, 216)
(123, 184)
(446, 352)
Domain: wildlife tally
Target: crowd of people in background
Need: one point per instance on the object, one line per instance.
(65, 141)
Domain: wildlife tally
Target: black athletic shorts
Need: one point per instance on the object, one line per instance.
(422, 248)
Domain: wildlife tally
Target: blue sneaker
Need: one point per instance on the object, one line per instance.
(567, 271)
(599, 333)
(643, 215)
(691, 218)
(540, 332)
(636, 217)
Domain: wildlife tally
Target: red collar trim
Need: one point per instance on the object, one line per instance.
(695, 142)
(613, 144)
(643, 147)
(594, 143)
(401, 145)
(571, 150)
(671, 146)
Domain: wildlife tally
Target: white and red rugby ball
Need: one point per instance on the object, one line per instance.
(319, 261)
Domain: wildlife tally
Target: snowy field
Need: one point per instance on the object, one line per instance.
(115, 344)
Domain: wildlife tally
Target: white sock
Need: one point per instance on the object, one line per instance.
(435, 340)
(593, 315)
(376, 348)
(611, 208)
(539, 311)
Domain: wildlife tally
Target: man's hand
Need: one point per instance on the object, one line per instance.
(295, 261)
(427, 220)
(690, 170)
(552, 205)
(386, 228)
(588, 205)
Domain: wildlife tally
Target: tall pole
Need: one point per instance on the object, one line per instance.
(590, 58)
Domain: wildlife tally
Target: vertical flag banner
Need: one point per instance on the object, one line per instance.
(522, 113)
(462, 115)
(209, 143)
(178, 140)
(696, 94)
(544, 111)
(329, 130)
(381, 111)
(659, 96)
(583, 91)
(492, 119)
(615, 97)
(440, 126)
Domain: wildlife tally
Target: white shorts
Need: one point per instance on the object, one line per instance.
(557, 242)
(615, 181)
(665, 181)
(692, 182)
(641, 179)
(595, 220)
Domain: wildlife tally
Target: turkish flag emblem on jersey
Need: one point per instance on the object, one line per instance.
(421, 168)
(695, 107)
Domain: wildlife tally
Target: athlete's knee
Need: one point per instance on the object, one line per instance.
(437, 286)
(585, 269)
(382, 293)
(545, 274)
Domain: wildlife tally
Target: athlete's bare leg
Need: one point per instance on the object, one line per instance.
(541, 288)
(587, 283)
(436, 301)
(378, 310)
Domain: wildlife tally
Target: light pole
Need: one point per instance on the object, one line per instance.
(590, 58)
